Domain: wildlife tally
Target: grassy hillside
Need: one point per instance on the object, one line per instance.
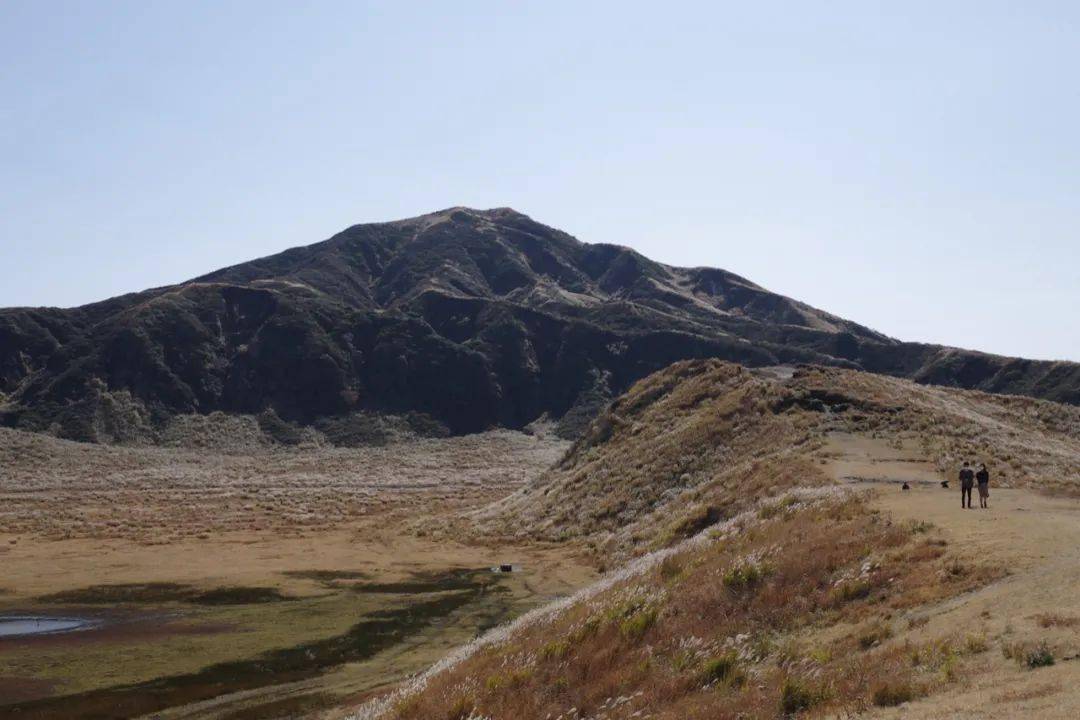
(702, 440)
(782, 609)
(760, 587)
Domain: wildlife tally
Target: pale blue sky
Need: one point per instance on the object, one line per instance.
(911, 166)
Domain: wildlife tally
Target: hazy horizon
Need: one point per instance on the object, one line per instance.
(912, 169)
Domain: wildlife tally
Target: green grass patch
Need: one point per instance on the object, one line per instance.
(635, 626)
(744, 576)
(797, 696)
(723, 669)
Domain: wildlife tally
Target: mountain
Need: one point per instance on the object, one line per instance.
(461, 319)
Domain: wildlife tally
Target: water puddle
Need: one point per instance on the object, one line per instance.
(24, 625)
(154, 593)
(379, 631)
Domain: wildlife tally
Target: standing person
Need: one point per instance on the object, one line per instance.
(983, 478)
(967, 483)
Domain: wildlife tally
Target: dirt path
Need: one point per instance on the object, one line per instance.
(1037, 538)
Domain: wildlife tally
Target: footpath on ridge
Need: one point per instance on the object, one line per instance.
(1035, 537)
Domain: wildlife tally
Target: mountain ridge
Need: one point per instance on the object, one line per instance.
(472, 318)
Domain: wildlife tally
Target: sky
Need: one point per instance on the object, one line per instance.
(912, 166)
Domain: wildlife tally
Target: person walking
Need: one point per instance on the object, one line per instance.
(983, 478)
(967, 483)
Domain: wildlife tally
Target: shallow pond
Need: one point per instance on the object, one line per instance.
(20, 626)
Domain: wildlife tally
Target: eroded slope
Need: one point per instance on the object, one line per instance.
(472, 318)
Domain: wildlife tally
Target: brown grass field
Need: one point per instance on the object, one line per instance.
(190, 560)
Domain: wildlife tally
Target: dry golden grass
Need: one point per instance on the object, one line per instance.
(92, 528)
(684, 448)
(1024, 442)
(1050, 620)
(724, 628)
(1040, 691)
(806, 609)
(59, 489)
(700, 441)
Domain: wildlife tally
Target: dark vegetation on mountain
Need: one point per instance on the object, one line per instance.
(458, 320)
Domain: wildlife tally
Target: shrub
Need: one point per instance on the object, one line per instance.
(796, 696)
(635, 626)
(773, 509)
(510, 679)
(672, 570)
(916, 657)
(874, 635)
(682, 660)
(948, 666)
(975, 644)
(955, 569)
(1039, 656)
(697, 520)
(744, 575)
(917, 622)
(890, 694)
(555, 650)
(586, 630)
(920, 526)
(936, 656)
(461, 709)
(853, 590)
(1036, 656)
(762, 645)
(1049, 620)
(723, 669)
(406, 705)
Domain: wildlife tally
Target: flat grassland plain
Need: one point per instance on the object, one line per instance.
(255, 583)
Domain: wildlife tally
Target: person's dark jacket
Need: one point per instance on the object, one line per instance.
(982, 477)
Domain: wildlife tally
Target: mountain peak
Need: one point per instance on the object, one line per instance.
(464, 211)
(469, 317)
